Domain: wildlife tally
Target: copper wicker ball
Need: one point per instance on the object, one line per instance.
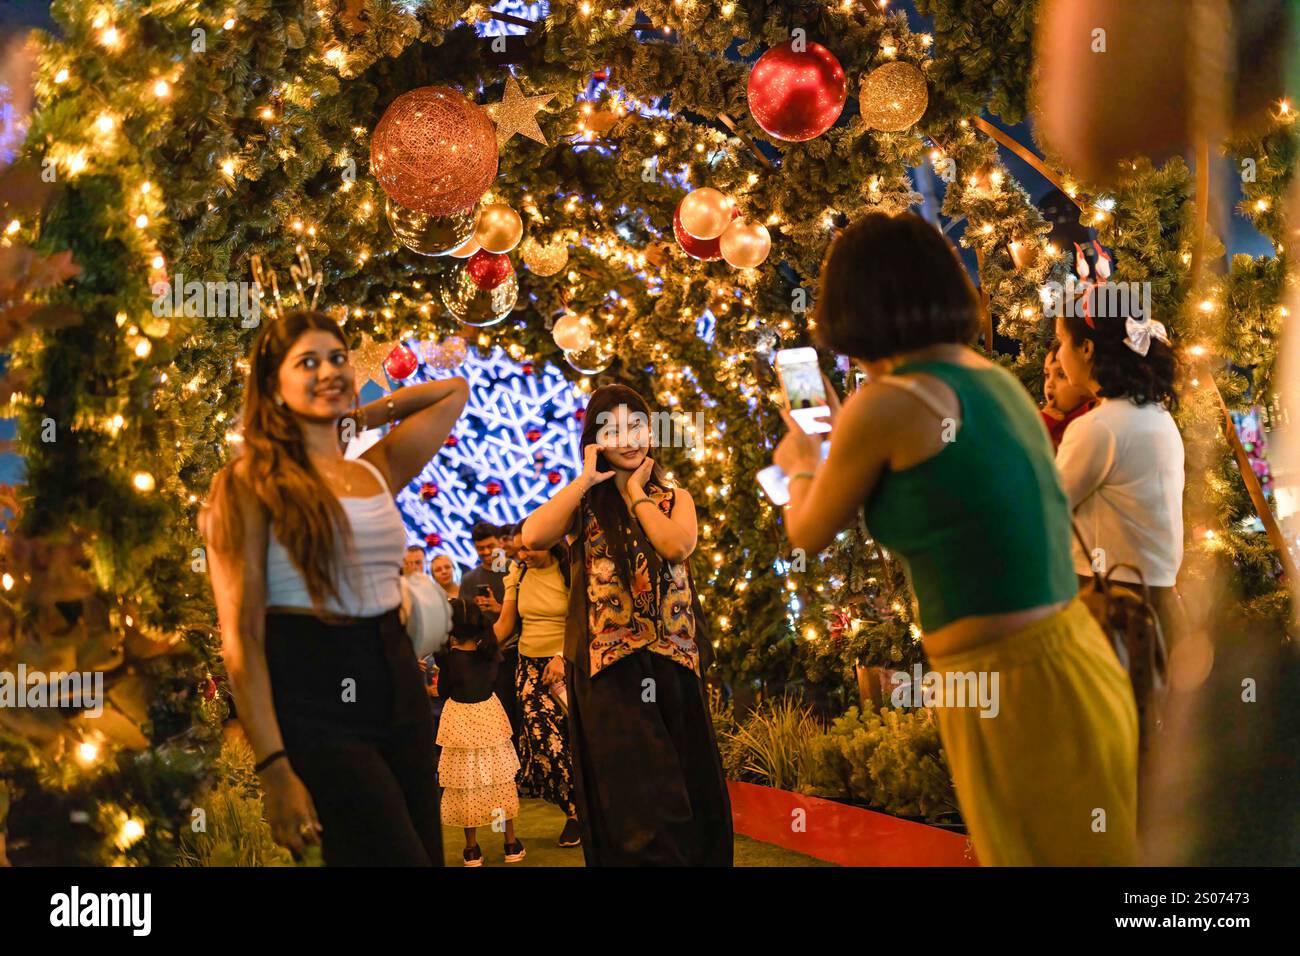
(434, 151)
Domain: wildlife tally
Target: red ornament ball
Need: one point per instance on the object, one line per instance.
(706, 250)
(401, 363)
(533, 434)
(487, 270)
(527, 368)
(553, 477)
(451, 441)
(493, 487)
(434, 151)
(429, 490)
(796, 95)
(433, 539)
(580, 414)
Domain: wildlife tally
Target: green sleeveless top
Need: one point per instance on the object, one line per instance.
(983, 526)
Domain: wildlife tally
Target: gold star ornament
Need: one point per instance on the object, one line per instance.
(517, 113)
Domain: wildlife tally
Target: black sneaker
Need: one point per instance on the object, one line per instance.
(515, 851)
(572, 834)
(473, 856)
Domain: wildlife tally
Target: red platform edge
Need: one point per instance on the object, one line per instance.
(838, 833)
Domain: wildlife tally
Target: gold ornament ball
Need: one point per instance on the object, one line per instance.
(571, 332)
(745, 244)
(705, 212)
(475, 306)
(429, 235)
(499, 228)
(592, 360)
(893, 97)
(467, 249)
(544, 260)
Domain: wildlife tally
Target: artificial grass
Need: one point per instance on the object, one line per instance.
(539, 825)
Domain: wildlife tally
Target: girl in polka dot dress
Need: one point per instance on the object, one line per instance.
(478, 763)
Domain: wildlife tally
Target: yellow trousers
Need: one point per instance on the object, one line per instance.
(1051, 779)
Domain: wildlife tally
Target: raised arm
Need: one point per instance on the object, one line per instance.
(549, 523)
(426, 413)
(673, 536)
(509, 616)
(823, 505)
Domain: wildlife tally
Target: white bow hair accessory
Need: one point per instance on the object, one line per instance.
(1141, 331)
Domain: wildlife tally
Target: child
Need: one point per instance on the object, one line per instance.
(1063, 402)
(478, 763)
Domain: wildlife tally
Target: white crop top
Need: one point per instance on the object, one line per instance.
(375, 563)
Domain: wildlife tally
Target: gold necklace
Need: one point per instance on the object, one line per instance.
(347, 485)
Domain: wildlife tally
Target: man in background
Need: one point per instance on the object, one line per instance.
(413, 563)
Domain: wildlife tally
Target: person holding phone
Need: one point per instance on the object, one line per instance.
(305, 549)
(648, 777)
(946, 454)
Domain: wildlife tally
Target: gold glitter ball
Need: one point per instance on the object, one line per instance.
(544, 260)
(893, 97)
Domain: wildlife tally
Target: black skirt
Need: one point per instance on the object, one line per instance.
(648, 777)
(358, 731)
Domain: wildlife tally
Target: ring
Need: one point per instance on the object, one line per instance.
(305, 828)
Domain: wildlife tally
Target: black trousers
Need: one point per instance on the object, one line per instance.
(358, 730)
(508, 693)
(648, 777)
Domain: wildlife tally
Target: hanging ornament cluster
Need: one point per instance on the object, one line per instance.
(708, 227)
(430, 235)
(544, 260)
(483, 291)
(893, 97)
(434, 151)
(797, 90)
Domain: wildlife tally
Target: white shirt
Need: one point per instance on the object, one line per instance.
(1122, 468)
(369, 578)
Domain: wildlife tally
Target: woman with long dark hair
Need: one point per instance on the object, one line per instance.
(536, 607)
(1122, 463)
(947, 455)
(650, 787)
(306, 550)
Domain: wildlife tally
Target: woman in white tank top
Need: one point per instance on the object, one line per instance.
(305, 550)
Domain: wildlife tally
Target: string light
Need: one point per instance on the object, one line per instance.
(162, 89)
(61, 76)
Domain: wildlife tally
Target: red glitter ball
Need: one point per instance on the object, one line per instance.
(493, 487)
(451, 441)
(487, 270)
(401, 363)
(433, 539)
(533, 434)
(428, 490)
(553, 477)
(796, 95)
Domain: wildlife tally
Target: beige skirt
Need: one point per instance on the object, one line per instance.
(478, 765)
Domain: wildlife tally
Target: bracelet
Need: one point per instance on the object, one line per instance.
(392, 410)
(801, 474)
(267, 761)
(640, 501)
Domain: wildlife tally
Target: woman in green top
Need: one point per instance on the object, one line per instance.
(951, 462)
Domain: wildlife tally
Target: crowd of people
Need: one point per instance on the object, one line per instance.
(575, 667)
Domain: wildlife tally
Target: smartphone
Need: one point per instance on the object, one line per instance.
(805, 393)
(776, 485)
(484, 590)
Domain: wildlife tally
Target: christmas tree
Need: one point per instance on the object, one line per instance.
(188, 136)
